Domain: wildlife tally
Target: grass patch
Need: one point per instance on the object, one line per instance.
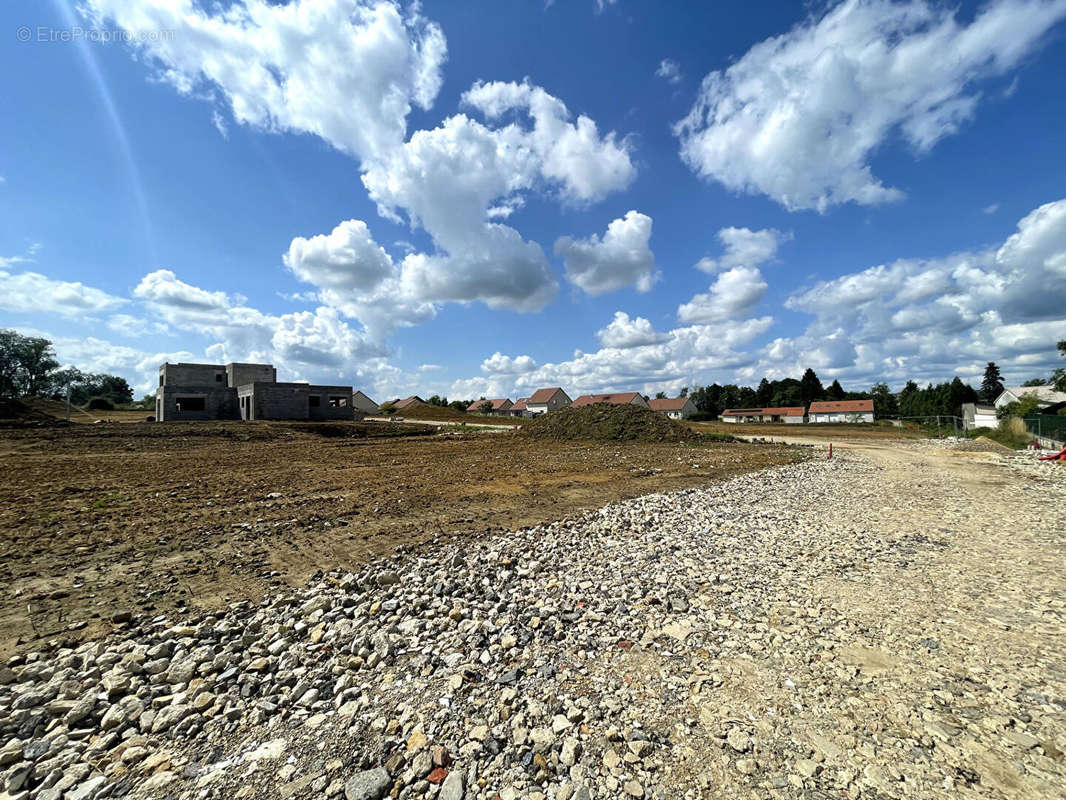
(109, 500)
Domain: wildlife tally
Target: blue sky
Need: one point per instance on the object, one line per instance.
(479, 198)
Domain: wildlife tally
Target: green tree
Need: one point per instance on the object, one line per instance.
(660, 395)
(835, 391)
(1058, 378)
(765, 393)
(810, 387)
(884, 401)
(959, 393)
(62, 379)
(992, 383)
(112, 388)
(1027, 405)
(25, 364)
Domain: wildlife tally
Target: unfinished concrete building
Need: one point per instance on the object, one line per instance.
(244, 391)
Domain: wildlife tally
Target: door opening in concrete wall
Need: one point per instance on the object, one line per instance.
(189, 404)
(314, 401)
(337, 402)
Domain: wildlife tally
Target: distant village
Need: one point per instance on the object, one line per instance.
(252, 392)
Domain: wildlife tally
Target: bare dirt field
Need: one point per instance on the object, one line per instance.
(143, 518)
(833, 431)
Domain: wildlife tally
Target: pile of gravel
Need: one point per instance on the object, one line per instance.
(608, 422)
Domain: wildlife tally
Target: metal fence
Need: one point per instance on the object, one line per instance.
(1051, 426)
(937, 425)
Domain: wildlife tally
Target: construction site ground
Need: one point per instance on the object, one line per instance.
(105, 520)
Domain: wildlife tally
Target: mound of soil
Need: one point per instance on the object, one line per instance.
(607, 422)
(426, 411)
(16, 414)
(991, 445)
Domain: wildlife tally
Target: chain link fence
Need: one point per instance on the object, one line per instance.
(1047, 426)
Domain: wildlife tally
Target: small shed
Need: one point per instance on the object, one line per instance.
(978, 415)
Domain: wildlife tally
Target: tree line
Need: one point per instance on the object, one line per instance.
(29, 368)
(913, 401)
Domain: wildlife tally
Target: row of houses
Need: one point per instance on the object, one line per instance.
(252, 391)
(819, 411)
(553, 398)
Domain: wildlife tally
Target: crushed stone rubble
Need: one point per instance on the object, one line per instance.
(752, 639)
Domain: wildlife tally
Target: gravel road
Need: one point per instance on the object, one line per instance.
(890, 623)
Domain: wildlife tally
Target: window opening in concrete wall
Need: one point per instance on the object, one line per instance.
(314, 401)
(337, 402)
(218, 378)
(189, 404)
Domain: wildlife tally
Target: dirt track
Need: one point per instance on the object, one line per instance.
(145, 518)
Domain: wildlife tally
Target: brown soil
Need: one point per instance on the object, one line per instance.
(608, 422)
(426, 411)
(145, 518)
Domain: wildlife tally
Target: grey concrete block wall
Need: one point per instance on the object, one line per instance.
(217, 403)
(240, 374)
(206, 375)
(294, 401)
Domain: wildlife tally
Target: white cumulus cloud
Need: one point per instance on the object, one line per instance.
(588, 165)
(499, 364)
(28, 292)
(799, 115)
(733, 292)
(345, 70)
(931, 318)
(624, 331)
(744, 248)
(621, 258)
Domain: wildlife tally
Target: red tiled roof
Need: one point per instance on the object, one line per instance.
(844, 406)
(667, 403)
(618, 399)
(779, 411)
(497, 404)
(520, 404)
(406, 401)
(543, 395)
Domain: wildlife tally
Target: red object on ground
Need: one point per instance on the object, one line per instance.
(437, 775)
(1059, 456)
